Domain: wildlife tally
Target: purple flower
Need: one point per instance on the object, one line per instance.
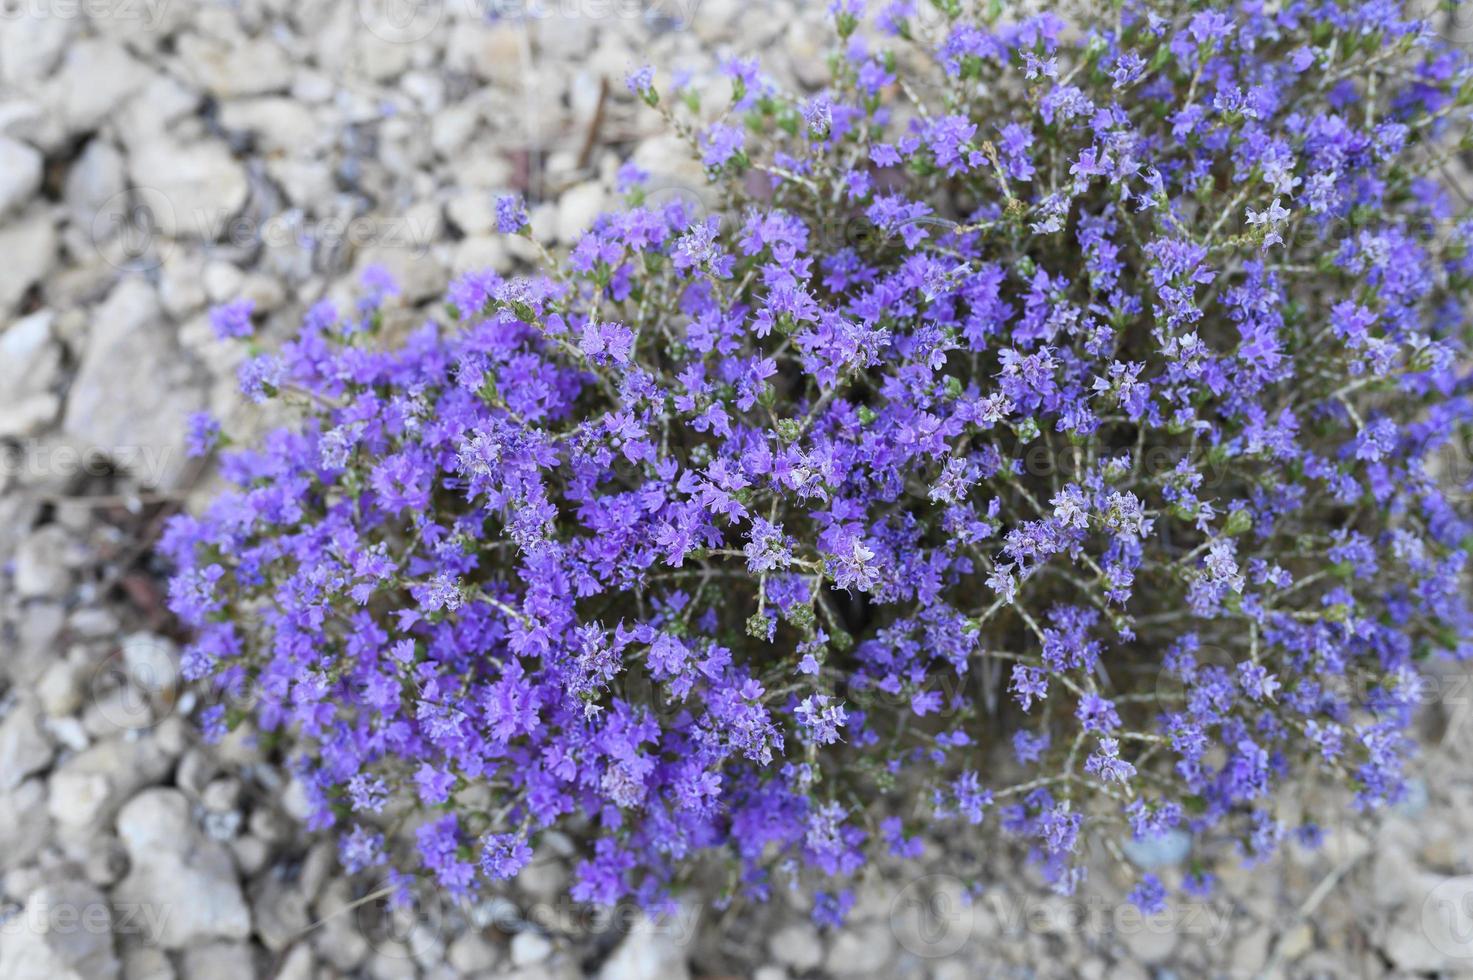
(1128, 437)
(203, 434)
(720, 144)
(511, 216)
(503, 855)
(641, 81)
(233, 319)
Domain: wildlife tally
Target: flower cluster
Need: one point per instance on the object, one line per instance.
(1058, 426)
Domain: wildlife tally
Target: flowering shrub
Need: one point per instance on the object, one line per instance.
(1050, 430)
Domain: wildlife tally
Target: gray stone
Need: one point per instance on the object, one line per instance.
(576, 210)
(147, 963)
(35, 643)
(652, 948)
(96, 77)
(280, 912)
(141, 425)
(861, 951)
(41, 563)
(335, 939)
(177, 868)
(192, 190)
(20, 174)
(797, 945)
(1163, 850)
(298, 964)
(59, 690)
(64, 932)
(279, 125)
(86, 790)
(31, 43)
(241, 66)
(528, 948)
(95, 180)
(218, 961)
(25, 826)
(24, 749)
(472, 955)
(152, 662)
(29, 246)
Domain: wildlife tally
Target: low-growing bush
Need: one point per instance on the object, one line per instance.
(1059, 424)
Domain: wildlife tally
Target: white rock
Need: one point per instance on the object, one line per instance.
(453, 127)
(42, 558)
(140, 426)
(64, 932)
(25, 825)
(197, 188)
(418, 274)
(473, 212)
(280, 912)
(27, 119)
(246, 66)
(529, 947)
(491, 52)
(298, 964)
(545, 877)
(95, 180)
(31, 43)
(79, 797)
(95, 78)
(861, 951)
(59, 690)
(68, 732)
(797, 945)
(147, 963)
(280, 125)
(576, 210)
(651, 949)
(218, 961)
(336, 940)
(175, 866)
(181, 283)
(36, 637)
(152, 661)
(380, 59)
(29, 363)
(86, 790)
(93, 622)
(471, 954)
(29, 246)
(1161, 851)
(480, 253)
(24, 749)
(20, 174)
(162, 102)
(307, 183)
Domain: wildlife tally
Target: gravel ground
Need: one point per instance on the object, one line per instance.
(157, 157)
